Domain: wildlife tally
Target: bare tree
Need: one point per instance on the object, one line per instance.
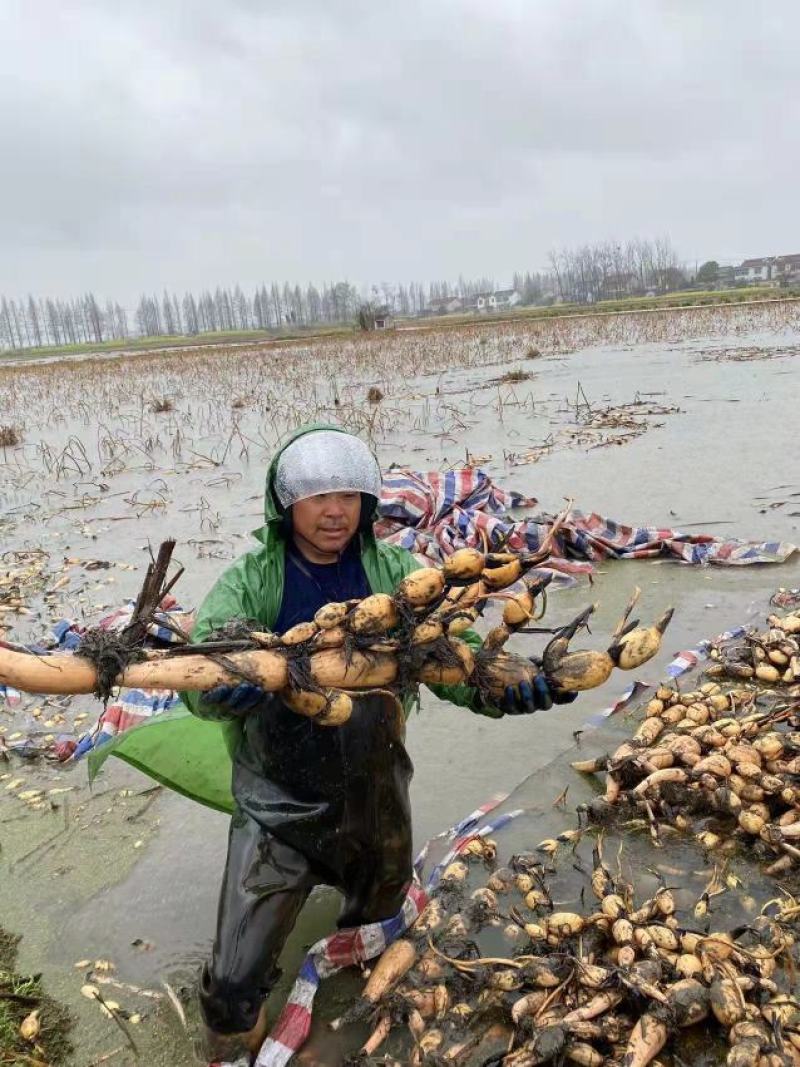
(554, 263)
(190, 314)
(365, 316)
(121, 322)
(313, 304)
(33, 319)
(169, 321)
(275, 296)
(93, 318)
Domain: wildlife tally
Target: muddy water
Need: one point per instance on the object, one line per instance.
(722, 463)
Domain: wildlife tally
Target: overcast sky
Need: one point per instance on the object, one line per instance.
(185, 143)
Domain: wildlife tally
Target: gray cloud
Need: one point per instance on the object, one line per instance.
(182, 144)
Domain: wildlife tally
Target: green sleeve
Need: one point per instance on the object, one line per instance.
(235, 595)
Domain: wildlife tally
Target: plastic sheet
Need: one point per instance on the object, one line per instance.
(325, 461)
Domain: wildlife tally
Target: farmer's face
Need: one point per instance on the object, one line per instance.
(327, 521)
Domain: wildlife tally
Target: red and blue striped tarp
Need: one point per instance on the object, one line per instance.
(128, 707)
(434, 513)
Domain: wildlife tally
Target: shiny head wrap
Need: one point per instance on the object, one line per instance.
(325, 461)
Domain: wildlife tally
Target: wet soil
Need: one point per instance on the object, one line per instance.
(124, 875)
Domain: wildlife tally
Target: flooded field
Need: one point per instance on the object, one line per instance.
(680, 420)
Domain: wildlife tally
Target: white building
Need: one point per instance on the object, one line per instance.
(772, 270)
(498, 300)
(755, 270)
(383, 318)
(787, 269)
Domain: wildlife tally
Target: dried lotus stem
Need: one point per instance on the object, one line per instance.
(621, 625)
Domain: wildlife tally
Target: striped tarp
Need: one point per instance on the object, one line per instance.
(434, 513)
(345, 948)
(127, 707)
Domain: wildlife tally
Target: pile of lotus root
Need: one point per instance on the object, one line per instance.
(771, 656)
(620, 980)
(722, 765)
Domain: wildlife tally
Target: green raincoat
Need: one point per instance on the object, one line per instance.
(190, 749)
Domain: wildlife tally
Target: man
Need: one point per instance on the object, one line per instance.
(314, 804)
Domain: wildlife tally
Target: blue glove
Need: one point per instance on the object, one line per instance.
(237, 699)
(536, 695)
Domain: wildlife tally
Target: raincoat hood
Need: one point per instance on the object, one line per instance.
(273, 512)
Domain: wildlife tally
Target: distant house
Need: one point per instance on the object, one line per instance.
(752, 271)
(617, 285)
(506, 298)
(769, 270)
(786, 269)
(384, 319)
(726, 276)
(498, 300)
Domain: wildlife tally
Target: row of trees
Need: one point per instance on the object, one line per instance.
(586, 274)
(34, 323)
(610, 270)
(268, 308)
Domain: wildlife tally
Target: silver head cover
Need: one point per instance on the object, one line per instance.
(326, 461)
